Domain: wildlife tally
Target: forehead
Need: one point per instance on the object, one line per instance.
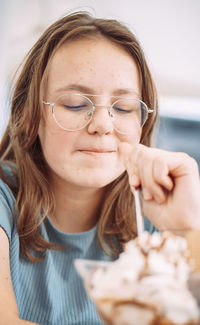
(99, 63)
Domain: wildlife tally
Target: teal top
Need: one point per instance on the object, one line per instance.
(51, 292)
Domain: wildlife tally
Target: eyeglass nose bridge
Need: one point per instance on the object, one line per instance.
(109, 109)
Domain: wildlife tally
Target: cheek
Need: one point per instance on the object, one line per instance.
(52, 140)
(132, 138)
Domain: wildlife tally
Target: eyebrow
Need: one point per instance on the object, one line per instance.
(87, 90)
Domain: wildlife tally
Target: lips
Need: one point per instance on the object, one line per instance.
(97, 150)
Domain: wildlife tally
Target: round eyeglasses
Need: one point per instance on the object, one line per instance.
(73, 112)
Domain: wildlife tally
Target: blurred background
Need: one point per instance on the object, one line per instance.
(169, 31)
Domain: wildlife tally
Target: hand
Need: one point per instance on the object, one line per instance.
(170, 186)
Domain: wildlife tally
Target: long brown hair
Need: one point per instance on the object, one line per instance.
(20, 143)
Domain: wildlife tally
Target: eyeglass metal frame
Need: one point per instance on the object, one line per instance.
(109, 108)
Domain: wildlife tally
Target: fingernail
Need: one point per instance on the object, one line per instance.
(146, 194)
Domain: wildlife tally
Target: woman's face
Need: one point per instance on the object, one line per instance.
(88, 157)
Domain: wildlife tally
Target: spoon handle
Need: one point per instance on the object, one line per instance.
(139, 217)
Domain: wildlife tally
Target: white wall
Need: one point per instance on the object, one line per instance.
(168, 30)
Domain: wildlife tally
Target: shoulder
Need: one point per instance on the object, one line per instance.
(8, 173)
(7, 200)
(8, 181)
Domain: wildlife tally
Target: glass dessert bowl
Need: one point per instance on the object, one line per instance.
(146, 285)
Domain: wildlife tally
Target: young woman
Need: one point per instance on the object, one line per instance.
(79, 137)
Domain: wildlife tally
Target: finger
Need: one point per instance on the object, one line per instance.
(161, 173)
(126, 153)
(181, 164)
(151, 189)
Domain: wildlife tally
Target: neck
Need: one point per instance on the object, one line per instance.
(77, 208)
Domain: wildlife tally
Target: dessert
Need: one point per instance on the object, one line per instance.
(193, 240)
(147, 285)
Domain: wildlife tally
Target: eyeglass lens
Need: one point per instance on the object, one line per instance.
(73, 112)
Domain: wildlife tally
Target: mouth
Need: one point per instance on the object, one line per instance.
(97, 152)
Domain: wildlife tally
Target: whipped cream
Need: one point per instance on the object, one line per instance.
(152, 274)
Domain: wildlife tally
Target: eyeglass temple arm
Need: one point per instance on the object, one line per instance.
(47, 103)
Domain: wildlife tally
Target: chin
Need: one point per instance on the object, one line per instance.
(96, 182)
(99, 178)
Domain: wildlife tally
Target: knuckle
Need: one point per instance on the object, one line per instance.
(193, 163)
(184, 155)
(189, 161)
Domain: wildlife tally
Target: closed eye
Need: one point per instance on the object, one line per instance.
(76, 107)
(122, 110)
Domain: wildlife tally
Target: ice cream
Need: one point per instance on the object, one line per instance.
(193, 240)
(147, 285)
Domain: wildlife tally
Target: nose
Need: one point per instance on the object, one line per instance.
(101, 122)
